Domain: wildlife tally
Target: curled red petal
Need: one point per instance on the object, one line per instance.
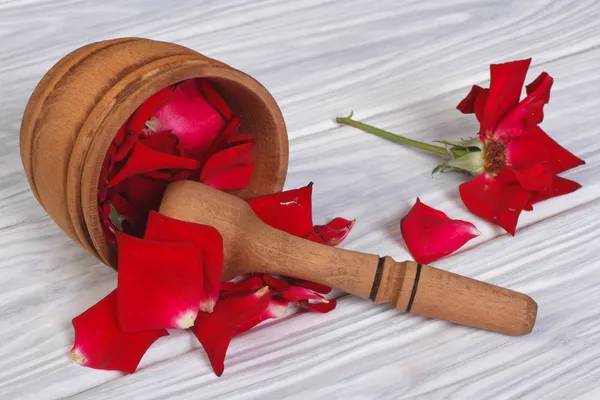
(165, 142)
(229, 169)
(430, 234)
(143, 160)
(135, 216)
(215, 100)
(276, 309)
(120, 136)
(560, 186)
(289, 211)
(143, 192)
(275, 283)
(100, 342)
(315, 287)
(232, 178)
(474, 102)
(240, 138)
(221, 141)
(191, 117)
(297, 293)
(215, 330)
(164, 176)
(242, 287)
(138, 120)
(320, 307)
(125, 147)
(159, 284)
(209, 246)
(495, 201)
(506, 83)
(335, 231)
(528, 113)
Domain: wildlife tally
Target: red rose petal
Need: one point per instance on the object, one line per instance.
(289, 211)
(474, 102)
(229, 169)
(529, 112)
(315, 287)
(143, 192)
(506, 83)
(165, 142)
(221, 141)
(215, 330)
(138, 120)
(125, 148)
(430, 235)
(160, 284)
(119, 137)
(560, 186)
(559, 158)
(320, 307)
(296, 293)
(189, 116)
(240, 138)
(242, 287)
(495, 201)
(101, 344)
(335, 231)
(209, 244)
(144, 160)
(275, 309)
(211, 95)
(274, 283)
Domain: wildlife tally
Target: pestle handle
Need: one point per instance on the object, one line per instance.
(435, 293)
(252, 246)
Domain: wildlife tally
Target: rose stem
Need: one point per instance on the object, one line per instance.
(397, 138)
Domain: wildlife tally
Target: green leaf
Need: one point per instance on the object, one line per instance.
(116, 219)
(470, 162)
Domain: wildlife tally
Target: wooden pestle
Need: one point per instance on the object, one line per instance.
(252, 246)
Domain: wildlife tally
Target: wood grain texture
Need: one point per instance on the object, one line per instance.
(401, 65)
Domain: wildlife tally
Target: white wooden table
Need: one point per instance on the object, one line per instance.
(401, 65)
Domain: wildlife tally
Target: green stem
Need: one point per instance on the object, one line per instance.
(397, 138)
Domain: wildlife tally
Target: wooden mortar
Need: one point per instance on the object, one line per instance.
(252, 246)
(80, 104)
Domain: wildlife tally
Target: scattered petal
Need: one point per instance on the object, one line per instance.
(159, 283)
(275, 309)
(215, 330)
(243, 287)
(320, 307)
(315, 287)
(209, 244)
(430, 235)
(296, 293)
(289, 211)
(335, 231)
(101, 344)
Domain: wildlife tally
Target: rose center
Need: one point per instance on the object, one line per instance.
(494, 157)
